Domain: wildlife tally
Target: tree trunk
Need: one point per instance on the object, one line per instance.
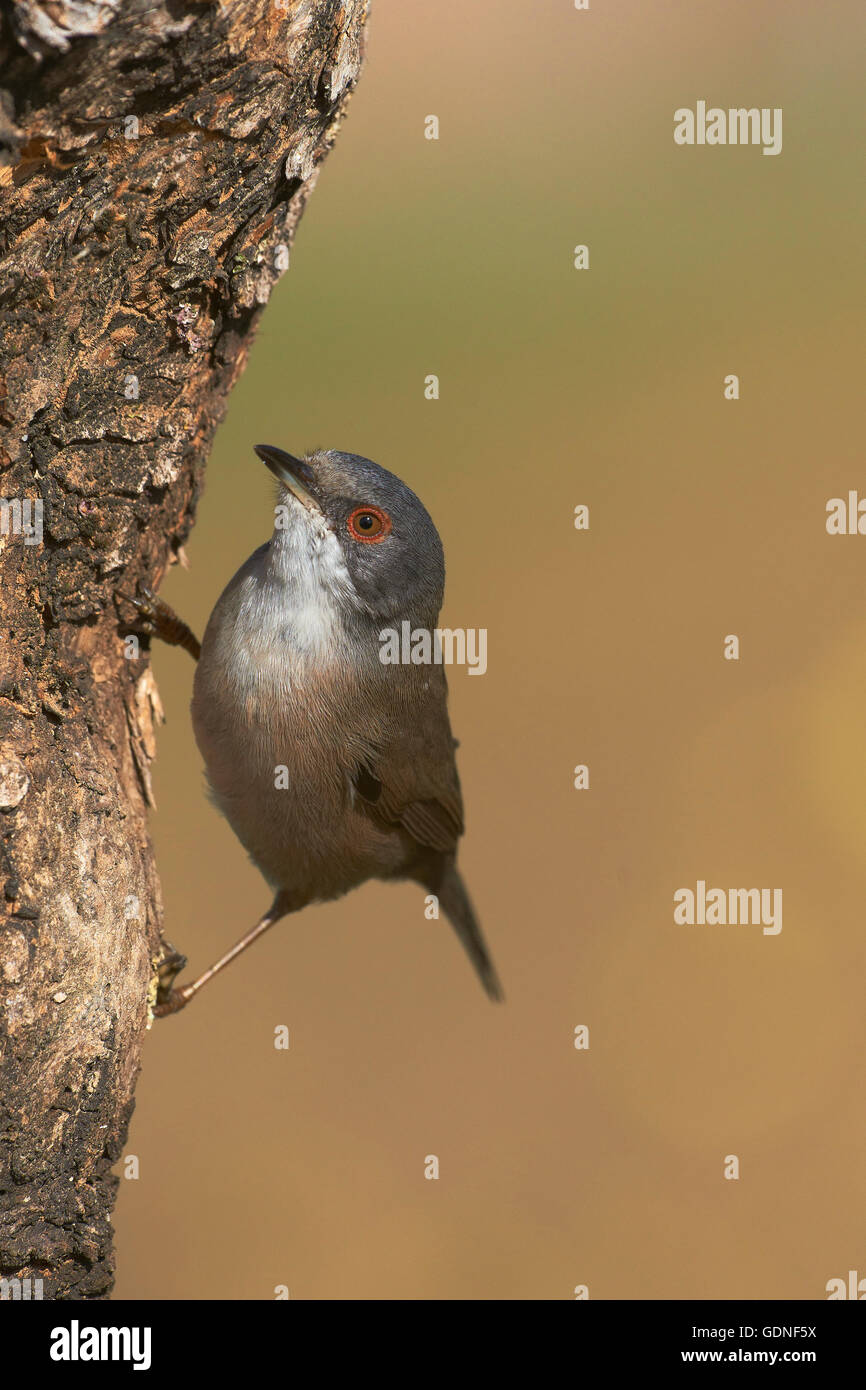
(155, 157)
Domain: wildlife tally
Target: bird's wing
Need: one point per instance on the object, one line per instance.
(411, 779)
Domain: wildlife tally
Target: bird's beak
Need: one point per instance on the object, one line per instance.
(293, 473)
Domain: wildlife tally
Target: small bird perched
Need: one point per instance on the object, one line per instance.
(331, 767)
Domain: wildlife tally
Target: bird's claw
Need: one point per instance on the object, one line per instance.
(156, 619)
(146, 607)
(170, 965)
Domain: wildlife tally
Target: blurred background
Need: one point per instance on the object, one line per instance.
(558, 1167)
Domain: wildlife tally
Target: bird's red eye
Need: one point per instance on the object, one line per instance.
(369, 524)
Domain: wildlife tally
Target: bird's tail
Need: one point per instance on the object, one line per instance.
(454, 901)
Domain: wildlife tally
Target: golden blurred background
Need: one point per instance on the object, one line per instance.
(558, 1167)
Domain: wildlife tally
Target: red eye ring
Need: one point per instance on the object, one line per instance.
(369, 524)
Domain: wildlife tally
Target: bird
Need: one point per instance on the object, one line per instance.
(331, 766)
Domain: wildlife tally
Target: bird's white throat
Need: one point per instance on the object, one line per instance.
(305, 584)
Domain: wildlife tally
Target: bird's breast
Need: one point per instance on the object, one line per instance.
(283, 718)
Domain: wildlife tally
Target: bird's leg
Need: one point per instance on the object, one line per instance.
(158, 620)
(171, 1001)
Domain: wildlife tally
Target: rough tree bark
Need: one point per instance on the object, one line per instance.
(155, 156)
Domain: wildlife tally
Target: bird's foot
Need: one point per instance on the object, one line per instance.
(157, 619)
(172, 1001)
(170, 965)
(168, 999)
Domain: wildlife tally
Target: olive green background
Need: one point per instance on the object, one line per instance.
(558, 1167)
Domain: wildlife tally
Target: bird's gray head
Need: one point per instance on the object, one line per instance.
(363, 532)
